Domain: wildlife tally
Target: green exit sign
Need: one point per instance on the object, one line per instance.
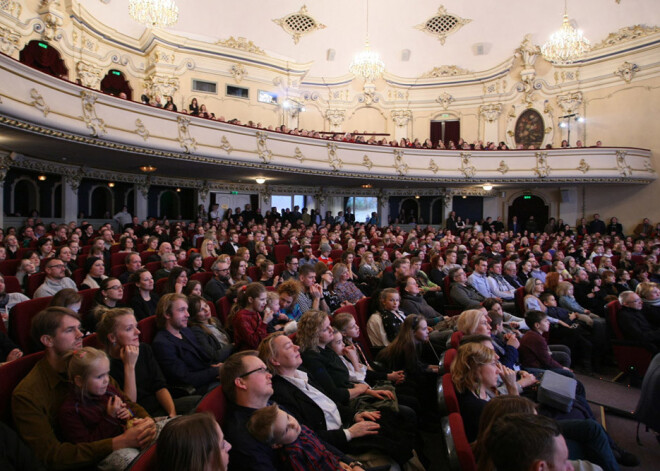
(234, 192)
(44, 45)
(446, 115)
(527, 197)
(116, 72)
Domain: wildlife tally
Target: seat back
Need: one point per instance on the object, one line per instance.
(207, 263)
(11, 374)
(9, 267)
(152, 266)
(159, 287)
(202, 277)
(459, 451)
(12, 285)
(222, 308)
(20, 320)
(254, 273)
(519, 297)
(92, 341)
(447, 359)
(34, 281)
(146, 461)
(456, 339)
(148, 329)
(449, 401)
(214, 402)
(281, 251)
(631, 357)
(613, 308)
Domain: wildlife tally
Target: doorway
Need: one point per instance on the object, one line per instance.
(529, 205)
(445, 131)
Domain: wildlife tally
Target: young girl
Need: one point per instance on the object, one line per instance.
(96, 408)
(250, 322)
(383, 326)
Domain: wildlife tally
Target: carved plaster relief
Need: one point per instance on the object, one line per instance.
(298, 24)
(627, 71)
(187, 142)
(89, 75)
(38, 102)
(93, 122)
(442, 24)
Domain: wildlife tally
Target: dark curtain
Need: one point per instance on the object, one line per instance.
(116, 84)
(46, 59)
(531, 206)
(445, 131)
(436, 132)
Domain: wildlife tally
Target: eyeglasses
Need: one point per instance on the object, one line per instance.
(261, 369)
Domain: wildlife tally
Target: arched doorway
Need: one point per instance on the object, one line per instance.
(445, 131)
(437, 211)
(24, 197)
(44, 57)
(101, 202)
(115, 83)
(409, 211)
(169, 204)
(525, 206)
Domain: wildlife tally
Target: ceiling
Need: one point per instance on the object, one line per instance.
(500, 25)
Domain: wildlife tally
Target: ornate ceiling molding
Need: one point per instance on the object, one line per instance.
(626, 34)
(445, 71)
(298, 24)
(442, 24)
(242, 44)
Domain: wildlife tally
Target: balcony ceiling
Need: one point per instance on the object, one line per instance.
(498, 25)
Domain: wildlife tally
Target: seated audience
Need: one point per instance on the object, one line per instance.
(55, 279)
(94, 271)
(144, 300)
(211, 336)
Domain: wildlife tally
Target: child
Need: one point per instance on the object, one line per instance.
(274, 427)
(267, 271)
(280, 320)
(96, 408)
(250, 322)
(534, 350)
(384, 326)
(325, 255)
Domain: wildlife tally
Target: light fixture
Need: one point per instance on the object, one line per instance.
(367, 64)
(42, 178)
(111, 184)
(366, 186)
(148, 168)
(487, 187)
(464, 197)
(178, 190)
(154, 13)
(416, 197)
(260, 180)
(566, 45)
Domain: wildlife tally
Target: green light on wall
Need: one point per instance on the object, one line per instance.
(116, 72)
(527, 197)
(44, 45)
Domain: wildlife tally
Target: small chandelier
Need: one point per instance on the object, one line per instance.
(154, 13)
(566, 45)
(367, 64)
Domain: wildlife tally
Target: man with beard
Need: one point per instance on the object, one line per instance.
(217, 286)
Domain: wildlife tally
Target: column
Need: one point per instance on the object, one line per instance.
(141, 192)
(490, 114)
(70, 185)
(3, 175)
(383, 208)
(401, 120)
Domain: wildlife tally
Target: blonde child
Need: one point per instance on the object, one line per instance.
(96, 408)
(276, 428)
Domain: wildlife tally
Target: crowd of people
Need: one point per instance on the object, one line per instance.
(373, 138)
(299, 375)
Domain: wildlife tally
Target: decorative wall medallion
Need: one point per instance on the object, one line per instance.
(467, 168)
(241, 44)
(433, 166)
(298, 155)
(160, 55)
(528, 52)
(264, 153)
(161, 85)
(225, 145)
(141, 129)
(11, 7)
(442, 24)
(401, 117)
(298, 24)
(626, 34)
(93, 122)
(491, 112)
(368, 95)
(335, 116)
(51, 20)
(38, 102)
(445, 71)
(366, 161)
(621, 164)
(570, 102)
(627, 71)
(8, 40)
(445, 99)
(334, 161)
(89, 75)
(238, 71)
(188, 143)
(584, 166)
(542, 168)
(399, 165)
(503, 167)
(567, 76)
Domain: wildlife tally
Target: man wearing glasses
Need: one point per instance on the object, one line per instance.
(167, 262)
(55, 279)
(291, 270)
(633, 323)
(217, 286)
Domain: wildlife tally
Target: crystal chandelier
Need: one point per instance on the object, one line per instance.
(367, 64)
(566, 45)
(154, 13)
